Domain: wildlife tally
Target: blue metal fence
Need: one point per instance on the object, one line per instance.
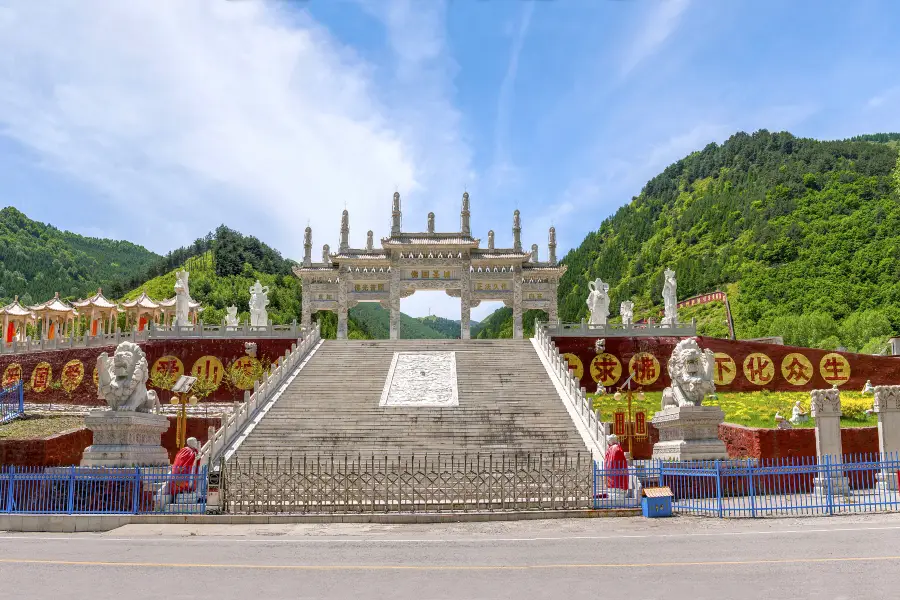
(70, 490)
(760, 488)
(12, 402)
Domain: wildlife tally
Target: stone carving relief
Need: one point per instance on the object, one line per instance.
(824, 403)
(887, 398)
(691, 371)
(122, 379)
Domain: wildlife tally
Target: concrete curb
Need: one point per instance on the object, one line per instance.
(99, 523)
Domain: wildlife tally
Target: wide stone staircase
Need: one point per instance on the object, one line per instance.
(507, 403)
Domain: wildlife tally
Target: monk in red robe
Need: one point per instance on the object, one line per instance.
(615, 464)
(185, 464)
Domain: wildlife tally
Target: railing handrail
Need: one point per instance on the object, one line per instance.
(617, 329)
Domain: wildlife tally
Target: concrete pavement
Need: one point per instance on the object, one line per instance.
(679, 558)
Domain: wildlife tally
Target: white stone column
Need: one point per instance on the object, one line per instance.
(553, 310)
(518, 331)
(343, 307)
(305, 310)
(395, 302)
(465, 304)
(887, 407)
(826, 410)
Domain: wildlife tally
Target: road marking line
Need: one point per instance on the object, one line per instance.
(228, 538)
(78, 563)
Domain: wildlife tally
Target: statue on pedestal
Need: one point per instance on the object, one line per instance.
(627, 311)
(182, 299)
(670, 299)
(122, 380)
(231, 319)
(259, 300)
(598, 302)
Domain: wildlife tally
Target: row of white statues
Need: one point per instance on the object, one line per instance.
(259, 300)
(598, 302)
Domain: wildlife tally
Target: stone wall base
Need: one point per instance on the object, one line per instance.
(689, 433)
(125, 439)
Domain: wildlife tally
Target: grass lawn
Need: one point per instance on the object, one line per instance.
(33, 427)
(753, 409)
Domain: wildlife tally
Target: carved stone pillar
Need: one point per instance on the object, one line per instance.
(306, 311)
(826, 410)
(465, 304)
(343, 307)
(518, 331)
(395, 302)
(553, 310)
(887, 407)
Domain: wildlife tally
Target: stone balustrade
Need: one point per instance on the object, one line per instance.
(220, 440)
(574, 393)
(154, 332)
(584, 329)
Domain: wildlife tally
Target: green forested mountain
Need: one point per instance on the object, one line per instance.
(38, 260)
(803, 234)
(448, 327)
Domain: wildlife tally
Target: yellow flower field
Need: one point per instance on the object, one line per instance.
(753, 409)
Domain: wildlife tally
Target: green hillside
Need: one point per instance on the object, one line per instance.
(38, 260)
(803, 234)
(448, 327)
(372, 319)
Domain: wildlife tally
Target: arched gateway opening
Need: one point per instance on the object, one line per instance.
(452, 262)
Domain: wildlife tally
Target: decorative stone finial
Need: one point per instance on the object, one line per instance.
(551, 245)
(825, 403)
(517, 231)
(307, 247)
(491, 239)
(534, 253)
(326, 254)
(370, 243)
(431, 222)
(464, 228)
(345, 231)
(395, 215)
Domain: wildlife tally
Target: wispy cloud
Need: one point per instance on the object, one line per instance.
(654, 32)
(884, 97)
(503, 168)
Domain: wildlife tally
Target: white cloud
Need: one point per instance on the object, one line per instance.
(187, 114)
(655, 31)
(879, 100)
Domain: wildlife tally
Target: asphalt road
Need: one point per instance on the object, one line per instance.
(624, 558)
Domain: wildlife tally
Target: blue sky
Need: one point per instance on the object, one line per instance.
(156, 121)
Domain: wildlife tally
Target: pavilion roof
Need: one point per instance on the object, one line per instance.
(53, 306)
(170, 302)
(97, 301)
(14, 309)
(142, 301)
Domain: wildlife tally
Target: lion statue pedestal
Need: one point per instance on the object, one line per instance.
(687, 429)
(127, 434)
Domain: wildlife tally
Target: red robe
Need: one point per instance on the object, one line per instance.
(185, 464)
(616, 467)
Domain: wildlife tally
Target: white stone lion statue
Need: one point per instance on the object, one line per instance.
(691, 371)
(122, 380)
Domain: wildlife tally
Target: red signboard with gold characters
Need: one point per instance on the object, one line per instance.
(640, 424)
(619, 423)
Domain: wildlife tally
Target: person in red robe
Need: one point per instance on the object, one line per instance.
(615, 464)
(185, 464)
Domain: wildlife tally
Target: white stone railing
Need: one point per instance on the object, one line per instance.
(235, 423)
(618, 329)
(154, 332)
(574, 393)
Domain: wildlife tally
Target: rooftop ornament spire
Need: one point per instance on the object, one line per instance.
(491, 239)
(464, 227)
(307, 247)
(534, 253)
(431, 222)
(517, 231)
(370, 244)
(345, 231)
(552, 246)
(395, 215)
(326, 254)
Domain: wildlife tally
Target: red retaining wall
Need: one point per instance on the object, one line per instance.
(753, 442)
(740, 366)
(70, 377)
(64, 449)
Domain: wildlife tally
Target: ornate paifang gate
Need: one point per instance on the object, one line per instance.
(406, 262)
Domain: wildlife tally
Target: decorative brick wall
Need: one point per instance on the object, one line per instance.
(72, 371)
(740, 366)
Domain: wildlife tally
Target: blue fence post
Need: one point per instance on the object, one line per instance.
(137, 491)
(10, 490)
(829, 501)
(594, 497)
(719, 489)
(21, 397)
(70, 503)
(751, 489)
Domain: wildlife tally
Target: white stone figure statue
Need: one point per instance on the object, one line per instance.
(869, 388)
(259, 300)
(231, 319)
(122, 380)
(781, 422)
(627, 311)
(798, 415)
(182, 299)
(691, 372)
(598, 302)
(670, 299)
